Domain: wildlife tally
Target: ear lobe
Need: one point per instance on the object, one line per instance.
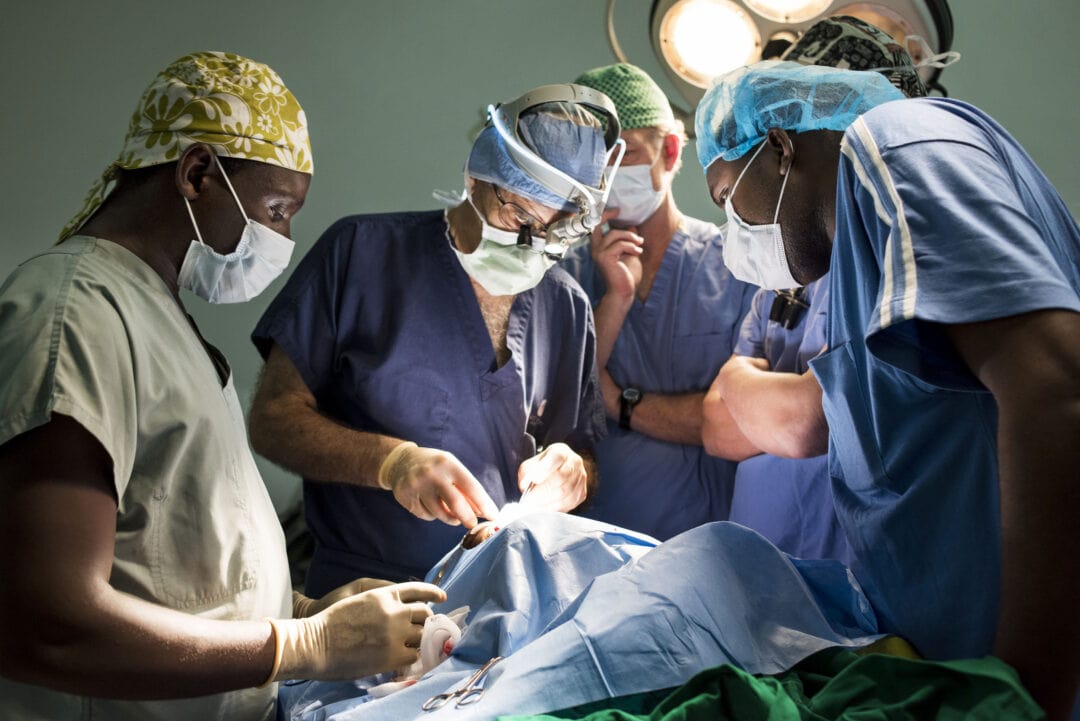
(781, 142)
(671, 148)
(192, 168)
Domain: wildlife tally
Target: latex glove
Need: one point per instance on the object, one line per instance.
(360, 635)
(304, 606)
(433, 484)
(554, 478)
(617, 254)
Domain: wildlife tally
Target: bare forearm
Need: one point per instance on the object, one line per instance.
(720, 434)
(1038, 400)
(780, 413)
(675, 418)
(1038, 627)
(303, 440)
(117, 646)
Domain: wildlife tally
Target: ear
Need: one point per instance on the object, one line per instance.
(781, 142)
(671, 148)
(194, 165)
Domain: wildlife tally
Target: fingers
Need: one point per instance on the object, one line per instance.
(418, 591)
(413, 636)
(366, 584)
(474, 495)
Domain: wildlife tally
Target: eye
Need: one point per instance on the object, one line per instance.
(278, 212)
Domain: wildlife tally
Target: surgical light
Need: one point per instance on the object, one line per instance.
(696, 40)
(788, 11)
(704, 38)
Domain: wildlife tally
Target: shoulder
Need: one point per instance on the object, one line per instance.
(701, 234)
(73, 273)
(385, 227)
(559, 285)
(901, 123)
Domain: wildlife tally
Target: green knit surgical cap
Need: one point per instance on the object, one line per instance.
(638, 100)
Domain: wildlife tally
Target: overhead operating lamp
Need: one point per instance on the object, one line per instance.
(696, 40)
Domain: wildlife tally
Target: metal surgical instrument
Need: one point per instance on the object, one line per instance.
(468, 694)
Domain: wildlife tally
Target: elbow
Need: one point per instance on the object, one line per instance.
(259, 429)
(806, 441)
(266, 420)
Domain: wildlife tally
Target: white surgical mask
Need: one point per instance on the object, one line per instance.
(499, 264)
(259, 258)
(633, 194)
(755, 253)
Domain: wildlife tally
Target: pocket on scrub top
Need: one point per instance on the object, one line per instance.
(203, 543)
(852, 432)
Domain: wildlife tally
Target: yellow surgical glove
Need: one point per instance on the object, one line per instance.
(434, 485)
(303, 606)
(360, 635)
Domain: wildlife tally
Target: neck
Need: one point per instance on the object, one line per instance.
(464, 227)
(141, 225)
(657, 230)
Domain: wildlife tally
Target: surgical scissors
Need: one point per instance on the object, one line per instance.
(470, 693)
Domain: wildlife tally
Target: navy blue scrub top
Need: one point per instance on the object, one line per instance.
(381, 321)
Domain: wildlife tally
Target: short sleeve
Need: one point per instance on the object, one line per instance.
(952, 215)
(303, 320)
(959, 244)
(73, 358)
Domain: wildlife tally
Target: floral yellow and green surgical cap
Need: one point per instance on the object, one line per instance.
(239, 106)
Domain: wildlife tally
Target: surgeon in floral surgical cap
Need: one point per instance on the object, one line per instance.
(144, 573)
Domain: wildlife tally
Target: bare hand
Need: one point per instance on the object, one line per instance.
(617, 254)
(557, 476)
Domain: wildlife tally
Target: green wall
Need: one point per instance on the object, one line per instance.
(393, 90)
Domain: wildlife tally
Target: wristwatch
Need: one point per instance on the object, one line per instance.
(629, 398)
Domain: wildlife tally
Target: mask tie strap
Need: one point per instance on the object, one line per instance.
(783, 186)
(746, 167)
(193, 223)
(229, 183)
(930, 58)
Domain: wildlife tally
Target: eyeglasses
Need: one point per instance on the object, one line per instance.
(513, 215)
(532, 234)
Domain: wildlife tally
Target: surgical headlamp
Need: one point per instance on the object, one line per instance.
(589, 201)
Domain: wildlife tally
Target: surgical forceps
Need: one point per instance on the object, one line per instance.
(470, 693)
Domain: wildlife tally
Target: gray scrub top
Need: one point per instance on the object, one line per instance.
(90, 331)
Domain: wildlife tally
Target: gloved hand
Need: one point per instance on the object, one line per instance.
(433, 484)
(555, 479)
(361, 635)
(304, 606)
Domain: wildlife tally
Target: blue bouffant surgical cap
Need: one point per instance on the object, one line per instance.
(571, 141)
(739, 109)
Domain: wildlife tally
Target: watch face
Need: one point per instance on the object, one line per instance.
(631, 395)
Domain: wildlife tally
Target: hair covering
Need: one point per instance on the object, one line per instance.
(739, 109)
(853, 44)
(638, 100)
(564, 134)
(238, 105)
